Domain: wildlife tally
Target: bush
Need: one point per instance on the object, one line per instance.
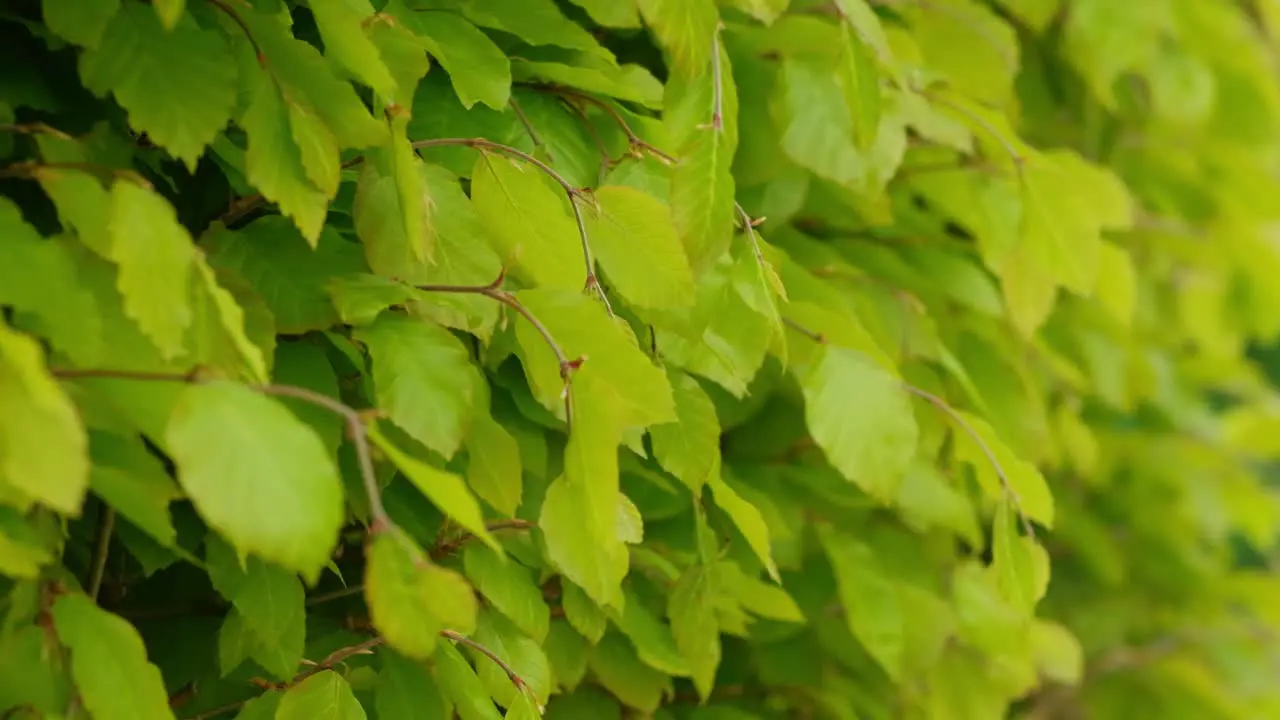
(419, 359)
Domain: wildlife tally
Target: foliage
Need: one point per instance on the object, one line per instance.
(689, 359)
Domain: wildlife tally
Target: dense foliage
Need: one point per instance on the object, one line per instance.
(698, 359)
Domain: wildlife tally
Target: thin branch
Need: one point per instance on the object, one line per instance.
(445, 549)
(512, 675)
(637, 143)
(606, 162)
(355, 424)
(959, 420)
(333, 659)
(528, 127)
(955, 417)
(235, 17)
(811, 334)
(31, 169)
(359, 435)
(34, 128)
(106, 526)
(495, 292)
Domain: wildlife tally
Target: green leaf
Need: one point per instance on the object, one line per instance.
(406, 689)
(527, 216)
(302, 364)
(621, 673)
(169, 12)
(869, 598)
(592, 74)
(756, 596)
(862, 419)
(536, 22)
(509, 588)
(494, 469)
(632, 235)
(615, 375)
(523, 708)
(748, 520)
(298, 299)
(79, 22)
(692, 610)
(134, 482)
(257, 475)
(342, 28)
(686, 29)
(155, 255)
(21, 551)
(766, 11)
(392, 207)
(582, 613)
(611, 13)
(1058, 652)
(323, 696)
(995, 465)
(445, 490)
(275, 162)
(654, 641)
(178, 86)
(269, 600)
(263, 707)
(423, 379)
(218, 338)
(520, 653)
(411, 599)
(860, 82)
(690, 447)
(43, 447)
(462, 686)
(109, 662)
(1021, 564)
(866, 24)
(567, 653)
(308, 83)
(478, 68)
(817, 128)
(702, 183)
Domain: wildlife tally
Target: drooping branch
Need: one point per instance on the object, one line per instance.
(574, 194)
(512, 675)
(958, 419)
(637, 143)
(960, 422)
(495, 292)
(355, 424)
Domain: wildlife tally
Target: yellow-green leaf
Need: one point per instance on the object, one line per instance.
(412, 599)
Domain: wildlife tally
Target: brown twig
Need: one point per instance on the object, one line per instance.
(495, 292)
(447, 548)
(512, 675)
(637, 143)
(528, 127)
(31, 169)
(333, 659)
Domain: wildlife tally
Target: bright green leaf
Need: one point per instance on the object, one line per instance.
(412, 599)
(633, 238)
(109, 662)
(257, 474)
(323, 696)
(43, 446)
(510, 588)
(686, 29)
(178, 86)
(78, 21)
(862, 418)
(691, 608)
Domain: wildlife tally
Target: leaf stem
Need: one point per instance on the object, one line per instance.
(106, 527)
(512, 675)
(963, 424)
(528, 127)
(235, 17)
(637, 143)
(717, 84)
(494, 291)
